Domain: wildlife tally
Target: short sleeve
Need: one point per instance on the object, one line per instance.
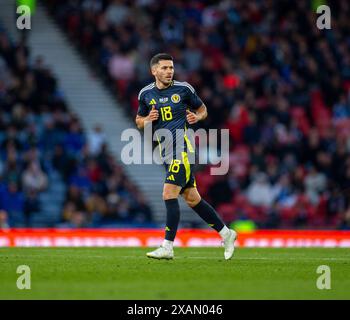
(143, 108)
(194, 101)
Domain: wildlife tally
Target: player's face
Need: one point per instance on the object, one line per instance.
(164, 71)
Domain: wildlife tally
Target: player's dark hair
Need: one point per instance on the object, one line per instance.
(160, 56)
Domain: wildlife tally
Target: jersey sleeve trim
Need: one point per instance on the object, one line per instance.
(149, 87)
(185, 84)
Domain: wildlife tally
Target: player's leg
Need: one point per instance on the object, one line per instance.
(170, 196)
(211, 217)
(202, 208)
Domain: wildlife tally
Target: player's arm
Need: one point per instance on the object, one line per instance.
(144, 115)
(198, 115)
(198, 109)
(142, 121)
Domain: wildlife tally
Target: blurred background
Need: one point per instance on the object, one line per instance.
(69, 86)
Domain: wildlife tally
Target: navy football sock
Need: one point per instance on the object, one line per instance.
(209, 215)
(172, 218)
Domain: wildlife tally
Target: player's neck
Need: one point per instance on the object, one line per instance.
(161, 85)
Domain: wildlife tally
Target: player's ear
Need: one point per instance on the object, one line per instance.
(154, 69)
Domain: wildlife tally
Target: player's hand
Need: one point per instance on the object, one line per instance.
(154, 114)
(191, 117)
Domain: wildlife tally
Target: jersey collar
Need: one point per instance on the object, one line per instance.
(171, 84)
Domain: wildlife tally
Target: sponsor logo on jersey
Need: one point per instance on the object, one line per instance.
(163, 100)
(152, 102)
(175, 98)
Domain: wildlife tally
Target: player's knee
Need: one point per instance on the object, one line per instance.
(167, 195)
(192, 200)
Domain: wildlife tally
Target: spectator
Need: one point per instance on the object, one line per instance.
(4, 220)
(96, 207)
(315, 183)
(192, 55)
(337, 203)
(31, 206)
(341, 110)
(141, 211)
(96, 139)
(345, 222)
(34, 179)
(62, 162)
(221, 191)
(13, 203)
(74, 201)
(117, 12)
(284, 195)
(76, 221)
(74, 140)
(171, 30)
(273, 218)
(260, 192)
(81, 180)
(121, 66)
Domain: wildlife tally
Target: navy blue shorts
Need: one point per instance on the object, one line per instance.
(179, 172)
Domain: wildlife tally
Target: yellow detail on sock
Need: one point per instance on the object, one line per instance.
(167, 229)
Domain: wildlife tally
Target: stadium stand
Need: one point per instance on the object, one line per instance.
(52, 174)
(266, 72)
(283, 93)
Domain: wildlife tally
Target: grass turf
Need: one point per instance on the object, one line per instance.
(195, 273)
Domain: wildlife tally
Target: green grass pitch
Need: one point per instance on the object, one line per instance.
(195, 273)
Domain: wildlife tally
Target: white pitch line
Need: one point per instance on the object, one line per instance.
(248, 258)
(211, 257)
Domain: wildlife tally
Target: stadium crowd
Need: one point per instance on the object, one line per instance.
(265, 71)
(39, 135)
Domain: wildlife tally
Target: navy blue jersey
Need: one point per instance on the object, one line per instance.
(171, 103)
